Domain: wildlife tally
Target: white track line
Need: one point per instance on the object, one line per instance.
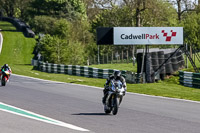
(31, 115)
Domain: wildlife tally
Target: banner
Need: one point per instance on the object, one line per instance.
(147, 35)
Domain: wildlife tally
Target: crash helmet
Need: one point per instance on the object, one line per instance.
(5, 65)
(117, 74)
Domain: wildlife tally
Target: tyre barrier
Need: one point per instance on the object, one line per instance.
(175, 65)
(168, 65)
(161, 59)
(154, 60)
(180, 60)
(189, 79)
(20, 25)
(172, 65)
(148, 68)
(139, 62)
(81, 71)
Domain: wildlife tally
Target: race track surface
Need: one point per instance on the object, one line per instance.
(81, 106)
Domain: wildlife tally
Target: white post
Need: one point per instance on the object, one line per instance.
(98, 55)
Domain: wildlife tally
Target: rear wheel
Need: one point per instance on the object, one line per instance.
(3, 81)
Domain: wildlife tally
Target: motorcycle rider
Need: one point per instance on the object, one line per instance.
(117, 76)
(5, 67)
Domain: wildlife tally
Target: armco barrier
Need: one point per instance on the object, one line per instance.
(189, 79)
(80, 70)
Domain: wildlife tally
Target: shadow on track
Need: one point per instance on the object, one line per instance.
(91, 114)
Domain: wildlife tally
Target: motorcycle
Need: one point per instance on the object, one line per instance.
(5, 77)
(114, 97)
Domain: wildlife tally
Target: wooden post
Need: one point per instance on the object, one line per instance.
(122, 56)
(112, 57)
(98, 55)
(107, 58)
(119, 57)
(133, 52)
(103, 58)
(127, 55)
(116, 57)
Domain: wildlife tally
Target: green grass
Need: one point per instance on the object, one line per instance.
(6, 26)
(190, 67)
(123, 66)
(17, 52)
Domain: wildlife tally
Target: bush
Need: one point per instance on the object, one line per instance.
(51, 26)
(59, 51)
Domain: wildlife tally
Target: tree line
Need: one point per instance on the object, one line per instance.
(67, 28)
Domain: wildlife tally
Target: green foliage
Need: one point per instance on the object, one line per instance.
(8, 7)
(52, 26)
(62, 28)
(159, 14)
(17, 49)
(75, 54)
(14, 8)
(62, 34)
(52, 49)
(192, 29)
(80, 32)
(59, 51)
(116, 17)
(43, 24)
(69, 9)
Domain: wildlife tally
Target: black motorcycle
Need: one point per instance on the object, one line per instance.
(114, 98)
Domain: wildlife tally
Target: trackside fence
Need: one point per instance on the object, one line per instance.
(189, 79)
(80, 70)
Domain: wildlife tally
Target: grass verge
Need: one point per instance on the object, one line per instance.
(121, 66)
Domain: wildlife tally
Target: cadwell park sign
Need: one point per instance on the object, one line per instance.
(140, 35)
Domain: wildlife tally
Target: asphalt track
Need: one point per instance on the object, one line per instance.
(81, 106)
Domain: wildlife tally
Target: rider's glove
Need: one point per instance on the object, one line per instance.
(124, 86)
(124, 93)
(124, 89)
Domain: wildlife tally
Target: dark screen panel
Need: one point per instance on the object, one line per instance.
(105, 36)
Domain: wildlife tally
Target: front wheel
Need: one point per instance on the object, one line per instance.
(115, 106)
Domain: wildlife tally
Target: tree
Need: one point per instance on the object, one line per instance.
(160, 14)
(69, 9)
(59, 51)
(8, 7)
(191, 29)
(183, 6)
(21, 9)
(14, 8)
(52, 26)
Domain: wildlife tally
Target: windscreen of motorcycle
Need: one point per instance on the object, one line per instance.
(116, 85)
